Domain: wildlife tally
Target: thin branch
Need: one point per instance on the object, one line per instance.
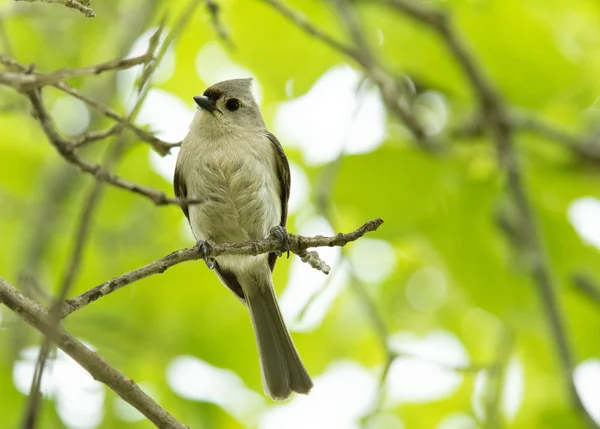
(298, 244)
(386, 84)
(25, 81)
(81, 6)
(92, 136)
(161, 147)
(66, 149)
(38, 317)
(303, 22)
(81, 235)
(586, 285)
(215, 16)
(584, 148)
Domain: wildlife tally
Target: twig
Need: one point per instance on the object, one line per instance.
(72, 4)
(161, 147)
(37, 316)
(586, 285)
(66, 149)
(584, 148)
(93, 136)
(25, 81)
(303, 22)
(496, 380)
(89, 207)
(298, 244)
(386, 84)
(35, 396)
(215, 16)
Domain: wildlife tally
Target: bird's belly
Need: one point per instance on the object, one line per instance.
(241, 200)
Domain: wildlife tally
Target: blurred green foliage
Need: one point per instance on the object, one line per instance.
(439, 211)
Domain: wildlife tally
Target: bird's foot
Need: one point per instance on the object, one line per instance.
(280, 233)
(205, 248)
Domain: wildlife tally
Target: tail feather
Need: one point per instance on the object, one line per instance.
(282, 369)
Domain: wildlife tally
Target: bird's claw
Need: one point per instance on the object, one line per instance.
(205, 249)
(280, 233)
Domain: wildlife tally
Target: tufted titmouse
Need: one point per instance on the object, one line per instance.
(238, 170)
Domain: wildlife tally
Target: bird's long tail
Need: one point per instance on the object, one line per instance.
(281, 367)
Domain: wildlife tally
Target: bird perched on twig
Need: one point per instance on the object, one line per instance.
(238, 171)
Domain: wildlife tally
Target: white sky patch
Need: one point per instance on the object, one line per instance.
(372, 260)
(300, 188)
(512, 392)
(70, 115)
(164, 165)
(167, 115)
(214, 65)
(586, 378)
(170, 118)
(334, 116)
(341, 396)
(305, 281)
(195, 379)
(126, 79)
(421, 378)
(584, 215)
(426, 289)
(79, 399)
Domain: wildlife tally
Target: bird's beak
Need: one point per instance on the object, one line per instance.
(205, 103)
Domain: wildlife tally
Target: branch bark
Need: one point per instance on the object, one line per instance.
(38, 317)
(81, 6)
(298, 245)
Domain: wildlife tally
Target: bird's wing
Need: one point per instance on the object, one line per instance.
(180, 189)
(285, 181)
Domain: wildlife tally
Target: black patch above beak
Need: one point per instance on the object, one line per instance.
(205, 103)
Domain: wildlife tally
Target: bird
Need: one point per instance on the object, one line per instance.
(238, 176)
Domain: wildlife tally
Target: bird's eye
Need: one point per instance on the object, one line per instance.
(232, 104)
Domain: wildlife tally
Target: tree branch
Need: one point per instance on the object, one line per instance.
(586, 285)
(28, 79)
(161, 147)
(66, 149)
(38, 317)
(361, 55)
(81, 6)
(298, 245)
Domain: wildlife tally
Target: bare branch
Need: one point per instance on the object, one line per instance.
(66, 149)
(27, 80)
(582, 147)
(81, 6)
(303, 22)
(587, 286)
(161, 147)
(215, 16)
(38, 317)
(92, 136)
(298, 245)
(386, 84)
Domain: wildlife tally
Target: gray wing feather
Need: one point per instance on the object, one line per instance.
(285, 180)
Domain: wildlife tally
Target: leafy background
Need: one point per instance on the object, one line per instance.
(440, 274)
